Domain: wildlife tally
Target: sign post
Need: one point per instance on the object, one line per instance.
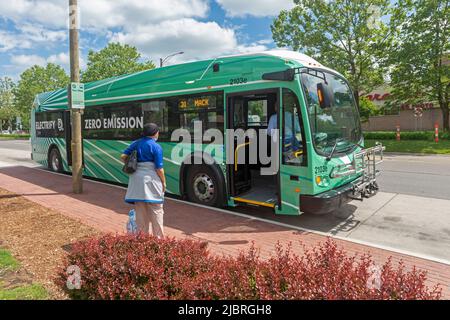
(76, 100)
(77, 95)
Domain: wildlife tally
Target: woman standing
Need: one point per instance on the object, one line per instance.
(147, 185)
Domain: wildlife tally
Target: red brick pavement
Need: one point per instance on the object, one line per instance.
(102, 207)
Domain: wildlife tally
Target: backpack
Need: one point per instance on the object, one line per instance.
(131, 163)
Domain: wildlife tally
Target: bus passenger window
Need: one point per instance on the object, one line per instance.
(157, 112)
(293, 142)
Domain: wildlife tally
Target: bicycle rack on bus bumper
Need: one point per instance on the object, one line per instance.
(364, 163)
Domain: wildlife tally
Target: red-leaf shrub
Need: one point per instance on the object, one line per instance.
(143, 267)
(134, 267)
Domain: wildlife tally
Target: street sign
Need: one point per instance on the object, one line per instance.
(77, 95)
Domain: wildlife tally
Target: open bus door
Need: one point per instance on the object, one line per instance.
(239, 174)
(251, 110)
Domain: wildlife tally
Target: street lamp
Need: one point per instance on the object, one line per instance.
(162, 61)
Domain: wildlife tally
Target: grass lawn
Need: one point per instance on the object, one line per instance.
(7, 262)
(14, 137)
(29, 292)
(413, 146)
(8, 268)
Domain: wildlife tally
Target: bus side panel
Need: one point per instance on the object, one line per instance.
(102, 161)
(40, 147)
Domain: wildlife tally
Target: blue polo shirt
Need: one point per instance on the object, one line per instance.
(147, 151)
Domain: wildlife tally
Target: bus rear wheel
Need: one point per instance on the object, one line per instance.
(55, 161)
(204, 186)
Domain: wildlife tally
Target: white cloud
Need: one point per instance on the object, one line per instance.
(198, 40)
(38, 33)
(24, 61)
(50, 13)
(258, 8)
(29, 36)
(63, 59)
(9, 41)
(102, 13)
(156, 27)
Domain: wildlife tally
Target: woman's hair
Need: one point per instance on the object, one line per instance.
(150, 129)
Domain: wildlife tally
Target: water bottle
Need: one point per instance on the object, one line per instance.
(131, 225)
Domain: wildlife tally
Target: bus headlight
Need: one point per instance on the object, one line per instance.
(322, 181)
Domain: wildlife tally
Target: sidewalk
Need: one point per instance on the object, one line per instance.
(102, 207)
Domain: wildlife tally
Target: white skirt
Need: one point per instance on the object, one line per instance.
(145, 185)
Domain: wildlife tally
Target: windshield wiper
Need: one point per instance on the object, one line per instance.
(334, 148)
(341, 140)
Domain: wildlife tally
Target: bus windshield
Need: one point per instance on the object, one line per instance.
(336, 127)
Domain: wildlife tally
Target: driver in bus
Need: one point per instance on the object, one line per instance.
(291, 143)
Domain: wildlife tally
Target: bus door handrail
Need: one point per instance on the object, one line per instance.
(239, 147)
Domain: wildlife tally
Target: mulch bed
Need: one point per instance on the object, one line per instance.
(39, 238)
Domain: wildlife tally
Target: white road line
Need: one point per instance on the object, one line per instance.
(288, 226)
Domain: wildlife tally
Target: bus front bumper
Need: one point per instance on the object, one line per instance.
(327, 202)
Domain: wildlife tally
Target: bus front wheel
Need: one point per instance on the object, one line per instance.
(204, 186)
(55, 161)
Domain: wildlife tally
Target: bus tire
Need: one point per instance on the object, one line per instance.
(55, 163)
(205, 186)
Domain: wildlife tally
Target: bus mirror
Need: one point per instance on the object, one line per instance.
(325, 95)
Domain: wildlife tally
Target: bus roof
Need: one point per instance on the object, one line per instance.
(180, 79)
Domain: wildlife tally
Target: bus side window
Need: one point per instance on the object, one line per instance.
(294, 149)
(157, 112)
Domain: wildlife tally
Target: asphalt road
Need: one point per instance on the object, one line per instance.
(410, 214)
(22, 145)
(15, 152)
(426, 176)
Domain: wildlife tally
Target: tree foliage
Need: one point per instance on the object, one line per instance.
(368, 109)
(419, 56)
(345, 35)
(34, 81)
(114, 60)
(7, 110)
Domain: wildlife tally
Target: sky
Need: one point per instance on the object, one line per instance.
(36, 31)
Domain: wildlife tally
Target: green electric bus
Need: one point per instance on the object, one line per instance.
(291, 92)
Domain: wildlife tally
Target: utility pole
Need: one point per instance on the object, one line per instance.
(77, 148)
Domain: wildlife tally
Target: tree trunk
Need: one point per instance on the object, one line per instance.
(356, 93)
(445, 117)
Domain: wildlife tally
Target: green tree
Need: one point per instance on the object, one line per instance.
(345, 35)
(7, 109)
(368, 109)
(36, 80)
(420, 55)
(114, 60)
